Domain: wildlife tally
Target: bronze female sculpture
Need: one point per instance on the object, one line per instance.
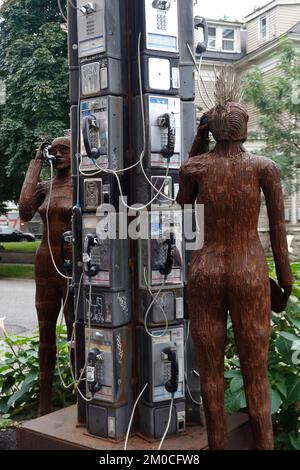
(51, 287)
(230, 273)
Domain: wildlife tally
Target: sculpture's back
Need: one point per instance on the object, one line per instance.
(230, 273)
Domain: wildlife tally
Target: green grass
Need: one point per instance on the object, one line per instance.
(20, 247)
(21, 271)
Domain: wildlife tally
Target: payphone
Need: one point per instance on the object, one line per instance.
(102, 47)
(108, 354)
(161, 256)
(161, 365)
(163, 132)
(102, 133)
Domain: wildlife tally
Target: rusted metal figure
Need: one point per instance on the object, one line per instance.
(51, 288)
(230, 272)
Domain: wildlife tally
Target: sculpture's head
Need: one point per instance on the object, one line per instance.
(61, 148)
(228, 122)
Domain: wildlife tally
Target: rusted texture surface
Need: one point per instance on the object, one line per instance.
(51, 288)
(58, 431)
(230, 273)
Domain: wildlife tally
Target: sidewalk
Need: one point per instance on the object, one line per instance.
(17, 305)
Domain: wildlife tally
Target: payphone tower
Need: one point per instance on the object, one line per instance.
(133, 122)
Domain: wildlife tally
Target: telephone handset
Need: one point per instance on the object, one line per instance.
(93, 371)
(91, 123)
(167, 266)
(201, 23)
(167, 121)
(90, 269)
(161, 4)
(172, 356)
(46, 155)
(67, 238)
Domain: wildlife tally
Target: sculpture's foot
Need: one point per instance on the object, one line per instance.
(217, 445)
(44, 411)
(45, 405)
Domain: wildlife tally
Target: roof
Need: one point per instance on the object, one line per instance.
(269, 6)
(294, 29)
(223, 21)
(223, 56)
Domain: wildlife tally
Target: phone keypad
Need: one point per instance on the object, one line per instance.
(94, 139)
(99, 372)
(167, 371)
(161, 21)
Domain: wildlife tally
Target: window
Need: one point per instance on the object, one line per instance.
(287, 215)
(212, 37)
(228, 40)
(263, 28)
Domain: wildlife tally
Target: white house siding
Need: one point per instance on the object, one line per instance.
(281, 17)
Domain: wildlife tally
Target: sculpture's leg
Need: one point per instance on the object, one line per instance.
(250, 312)
(208, 326)
(48, 305)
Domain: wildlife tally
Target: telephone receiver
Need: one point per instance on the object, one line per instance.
(93, 359)
(90, 269)
(46, 156)
(77, 226)
(167, 121)
(200, 22)
(91, 123)
(167, 267)
(172, 384)
(161, 4)
(67, 238)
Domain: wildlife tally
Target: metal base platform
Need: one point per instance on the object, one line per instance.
(59, 431)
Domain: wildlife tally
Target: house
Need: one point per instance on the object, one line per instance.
(247, 45)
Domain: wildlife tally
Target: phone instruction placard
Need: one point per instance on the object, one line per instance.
(162, 25)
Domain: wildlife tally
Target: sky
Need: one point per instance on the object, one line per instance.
(234, 9)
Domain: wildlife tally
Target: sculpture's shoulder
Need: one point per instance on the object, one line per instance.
(264, 166)
(261, 165)
(195, 165)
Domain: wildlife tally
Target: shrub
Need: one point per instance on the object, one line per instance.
(19, 376)
(284, 373)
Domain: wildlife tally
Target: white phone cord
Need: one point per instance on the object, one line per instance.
(168, 425)
(132, 416)
(48, 227)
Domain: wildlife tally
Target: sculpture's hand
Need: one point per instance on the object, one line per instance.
(203, 129)
(38, 155)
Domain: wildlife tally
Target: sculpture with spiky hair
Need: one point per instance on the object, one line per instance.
(228, 86)
(229, 274)
(228, 120)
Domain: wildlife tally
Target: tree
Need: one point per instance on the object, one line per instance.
(278, 103)
(34, 66)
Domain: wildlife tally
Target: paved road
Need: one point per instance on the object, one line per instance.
(17, 305)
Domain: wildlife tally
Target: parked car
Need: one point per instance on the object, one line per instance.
(8, 234)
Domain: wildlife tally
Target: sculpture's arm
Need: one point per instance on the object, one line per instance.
(188, 188)
(201, 141)
(31, 194)
(271, 186)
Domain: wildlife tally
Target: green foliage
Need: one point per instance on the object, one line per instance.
(21, 247)
(34, 66)
(19, 377)
(16, 271)
(278, 103)
(284, 373)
